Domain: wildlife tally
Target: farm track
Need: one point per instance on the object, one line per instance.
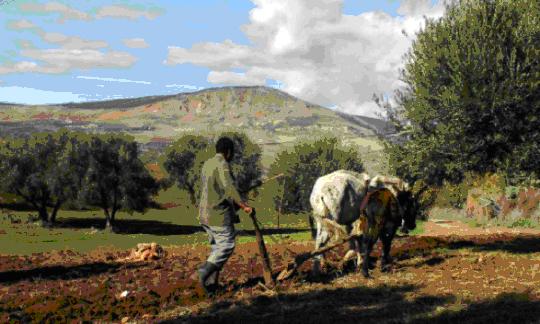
(475, 276)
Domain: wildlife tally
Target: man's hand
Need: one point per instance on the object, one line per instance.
(245, 208)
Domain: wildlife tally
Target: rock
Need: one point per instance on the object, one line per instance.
(146, 252)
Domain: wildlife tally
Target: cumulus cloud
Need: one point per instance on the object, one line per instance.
(135, 43)
(65, 12)
(117, 11)
(315, 51)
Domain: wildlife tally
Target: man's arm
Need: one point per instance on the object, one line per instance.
(230, 189)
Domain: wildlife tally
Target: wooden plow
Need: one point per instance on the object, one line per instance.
(293, 266)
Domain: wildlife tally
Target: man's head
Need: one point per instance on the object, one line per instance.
(225, 146)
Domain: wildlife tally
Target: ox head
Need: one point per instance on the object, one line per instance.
(409, 208)
(408, 204)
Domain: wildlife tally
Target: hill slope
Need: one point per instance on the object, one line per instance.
(270, 117)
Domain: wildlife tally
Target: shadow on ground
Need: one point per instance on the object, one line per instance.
(523, 244)
(153, 227)
(61, 272)
(343, 305)
(129, 226)
(386, 304)
(505, 308)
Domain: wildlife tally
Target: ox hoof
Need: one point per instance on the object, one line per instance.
(365, 273)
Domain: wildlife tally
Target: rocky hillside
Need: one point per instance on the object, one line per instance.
(272, 118)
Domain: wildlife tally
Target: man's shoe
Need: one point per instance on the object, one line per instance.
(204, 273)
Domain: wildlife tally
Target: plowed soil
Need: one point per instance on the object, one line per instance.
(487, 276)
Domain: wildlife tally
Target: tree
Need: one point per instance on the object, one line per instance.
(184, 160)
(302, 165)
(186, 156)
(116, 178)
(471, 102)
(46, 170)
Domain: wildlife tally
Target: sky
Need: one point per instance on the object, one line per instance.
(335, 53)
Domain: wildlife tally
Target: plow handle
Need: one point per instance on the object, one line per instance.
(267, 270)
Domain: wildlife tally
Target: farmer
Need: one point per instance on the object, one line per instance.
(217, 212)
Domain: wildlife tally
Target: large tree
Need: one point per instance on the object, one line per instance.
(471, 101)
(46, 170)
(116, 178)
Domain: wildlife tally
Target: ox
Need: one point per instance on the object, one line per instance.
(346, 202)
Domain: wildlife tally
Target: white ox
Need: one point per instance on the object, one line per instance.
(335, 201)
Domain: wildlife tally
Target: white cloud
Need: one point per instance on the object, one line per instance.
(117, 11)
(60, 60)
(65, 11)
(135, 43)
(21, 24)
(315, 51)
(184, 86)
(73, 53)
(228, 77)
(72, 42)
(36, 96)
(112, 79)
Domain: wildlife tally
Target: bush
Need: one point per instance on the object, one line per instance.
(301, 166)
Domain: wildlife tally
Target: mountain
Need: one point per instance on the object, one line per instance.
(272, 118)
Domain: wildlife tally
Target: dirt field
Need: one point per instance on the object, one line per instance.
(475, 276)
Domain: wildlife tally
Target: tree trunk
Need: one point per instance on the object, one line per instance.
(56, 207)
(108, 220)
(44, 216)
(191, 192)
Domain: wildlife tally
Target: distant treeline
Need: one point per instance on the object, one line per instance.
(49, 171)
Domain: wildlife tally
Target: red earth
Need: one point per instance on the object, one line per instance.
(476, 277)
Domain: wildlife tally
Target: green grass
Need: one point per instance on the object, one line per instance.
(26, 237)
(419, 228)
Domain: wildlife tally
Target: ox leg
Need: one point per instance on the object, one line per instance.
(358, 250)
(368, 242)
(352, 249)
(386, 260)
(320, 242)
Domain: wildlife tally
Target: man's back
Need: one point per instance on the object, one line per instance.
(217, 193)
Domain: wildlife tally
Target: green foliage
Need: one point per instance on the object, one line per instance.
(186, 156)
(116, 178)
(46, 170)
(454, 195)
(472, 97)
(184, 160)
(302, 165)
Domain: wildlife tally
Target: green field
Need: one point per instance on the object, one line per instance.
(82, 230)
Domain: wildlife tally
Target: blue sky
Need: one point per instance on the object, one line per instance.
(59, 51)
